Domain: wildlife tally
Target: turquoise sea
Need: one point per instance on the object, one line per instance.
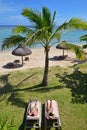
(70, 36)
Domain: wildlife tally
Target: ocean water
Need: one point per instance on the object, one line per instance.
(70, 36)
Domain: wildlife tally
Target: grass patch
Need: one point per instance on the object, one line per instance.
(67, 86)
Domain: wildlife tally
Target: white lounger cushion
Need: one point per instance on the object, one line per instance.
(39, 111)
(56, 118)
(55, 108)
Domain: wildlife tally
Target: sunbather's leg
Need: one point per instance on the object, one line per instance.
(36, 106)
(51, 106)
(49, 110)
(47, 106)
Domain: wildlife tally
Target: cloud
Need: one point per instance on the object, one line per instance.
(6, 9)
(16, 17)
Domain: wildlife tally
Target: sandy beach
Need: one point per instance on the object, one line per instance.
(36, 59)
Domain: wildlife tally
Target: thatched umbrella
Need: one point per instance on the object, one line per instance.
(21, 51)
(62, 46)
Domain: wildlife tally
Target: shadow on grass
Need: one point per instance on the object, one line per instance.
(76, 61)
(13, 91)
(22, 126)
(39, 88)
(77, 82)
(8, 89)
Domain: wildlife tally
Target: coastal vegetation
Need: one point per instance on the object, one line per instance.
(44, 30)
(67, 86)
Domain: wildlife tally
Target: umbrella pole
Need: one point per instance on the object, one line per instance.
(63, 52)
(22, 60)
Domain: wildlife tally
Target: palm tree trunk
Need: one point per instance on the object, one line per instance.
(45, 76)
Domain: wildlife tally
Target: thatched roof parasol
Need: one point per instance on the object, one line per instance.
(62, 46)
(21, 51)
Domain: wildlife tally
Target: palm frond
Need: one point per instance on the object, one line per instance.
(84, 46)
(62, 27)
(74, 23)
(77, 49)
(79, 53)
(34, 16)
(46, 17)
(34, 35)
(12, 41)
(48, 20)
(58, 36)
(21, 29)
(83, 38)
(53, 18)
(78, 23)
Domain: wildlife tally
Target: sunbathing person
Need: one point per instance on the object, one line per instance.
(49, 110)
(33, 111)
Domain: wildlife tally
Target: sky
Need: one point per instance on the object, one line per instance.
(10, 10)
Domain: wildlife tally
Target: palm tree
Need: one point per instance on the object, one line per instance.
(44, 30)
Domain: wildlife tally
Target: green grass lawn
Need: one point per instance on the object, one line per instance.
(67, 86)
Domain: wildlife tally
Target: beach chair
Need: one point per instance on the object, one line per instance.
(26, 59)
(33, 121)
(55, 121)
(16, 61)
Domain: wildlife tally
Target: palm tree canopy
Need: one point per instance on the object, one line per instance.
(12, 41)
(43, 25)
(40, 20)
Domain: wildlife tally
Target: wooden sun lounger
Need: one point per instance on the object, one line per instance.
(33, 121)
(55, 122)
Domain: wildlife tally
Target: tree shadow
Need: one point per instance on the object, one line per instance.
(38, 88)
(8, 89)
(22, 126)
(76, 61)
(77, 82)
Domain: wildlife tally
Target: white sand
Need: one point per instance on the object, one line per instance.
(36, 59)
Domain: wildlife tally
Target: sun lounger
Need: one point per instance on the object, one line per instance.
(16, 61)
(33, 121)
(55, 121)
